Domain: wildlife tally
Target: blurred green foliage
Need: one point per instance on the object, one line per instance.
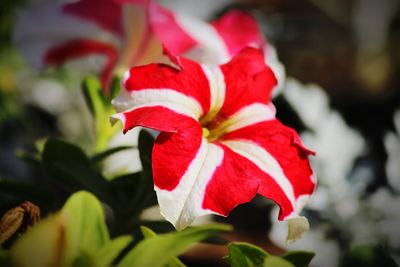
(367, 256)
(78, 236)
(247, 255)
(7, 10)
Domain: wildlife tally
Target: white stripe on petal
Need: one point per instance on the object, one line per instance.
(211, 47)
(266, 162)
(184, 204)
(217, 85)
(168, 98)
(300, 203)
(246, 116)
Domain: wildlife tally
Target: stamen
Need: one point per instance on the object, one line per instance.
(206, 132)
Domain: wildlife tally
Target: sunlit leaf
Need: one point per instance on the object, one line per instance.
(245, 255)
(174, 262)
(87, 229)
(4, 258)
(107, 254)
(93, 95)
(100, 107)
(159, 250)
(273, 261)
(114, 88)
(44, 245)
(84, 260)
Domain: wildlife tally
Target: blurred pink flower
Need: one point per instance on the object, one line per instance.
(125, 33)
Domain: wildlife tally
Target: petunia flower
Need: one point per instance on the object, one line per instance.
(219, 143)
(125, 33)
(118, 35)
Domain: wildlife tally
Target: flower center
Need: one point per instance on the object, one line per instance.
(214, 129)
(206, 132)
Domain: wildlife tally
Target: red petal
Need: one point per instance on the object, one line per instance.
(248, 80)
(155, 117)
(281, 143)
(173, 152)
(190, 81)
(167, 29)
(105, 13)
(238, 30)
(79, 48)
(174, 58)
(232, 184)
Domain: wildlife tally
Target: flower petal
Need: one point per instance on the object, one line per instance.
(165, 26)
(235, 40)
(276, 151)
(136, 46)
(209, 47)
(78, 48)
(231, 184)
(214, 180)
(246, 116)
(44, 25)
(163, 81)
(248, 81)
(155, 117)
(105, 13)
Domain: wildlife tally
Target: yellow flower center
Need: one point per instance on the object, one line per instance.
(215, 128)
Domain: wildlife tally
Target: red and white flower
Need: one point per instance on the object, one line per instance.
(125, 33)
(219, 143)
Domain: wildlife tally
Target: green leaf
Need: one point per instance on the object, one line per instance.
(44, 245)
(299, 258)
(4, 260)
(273, 261)
(110, 251)
(124, 188)
(245, 255)
(85, 260)
(101, 109)
(58, 151)
(158, 226)
(135, 191)
(93, 94)
(106, 153)
(77, 236)
(147, 196)
(33, 159)
(145, 144)
(70, 165)
(87, 231)
(25, 191)
(114, 88)
(147, 232)
(368, 256)
(159, 250)
(174, 262)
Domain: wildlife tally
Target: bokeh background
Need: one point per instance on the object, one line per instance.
(342, 64)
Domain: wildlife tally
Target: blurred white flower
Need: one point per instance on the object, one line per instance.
(337, 146)
(392, 145)
(326, 250)
(199, 9)
(126, 160)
